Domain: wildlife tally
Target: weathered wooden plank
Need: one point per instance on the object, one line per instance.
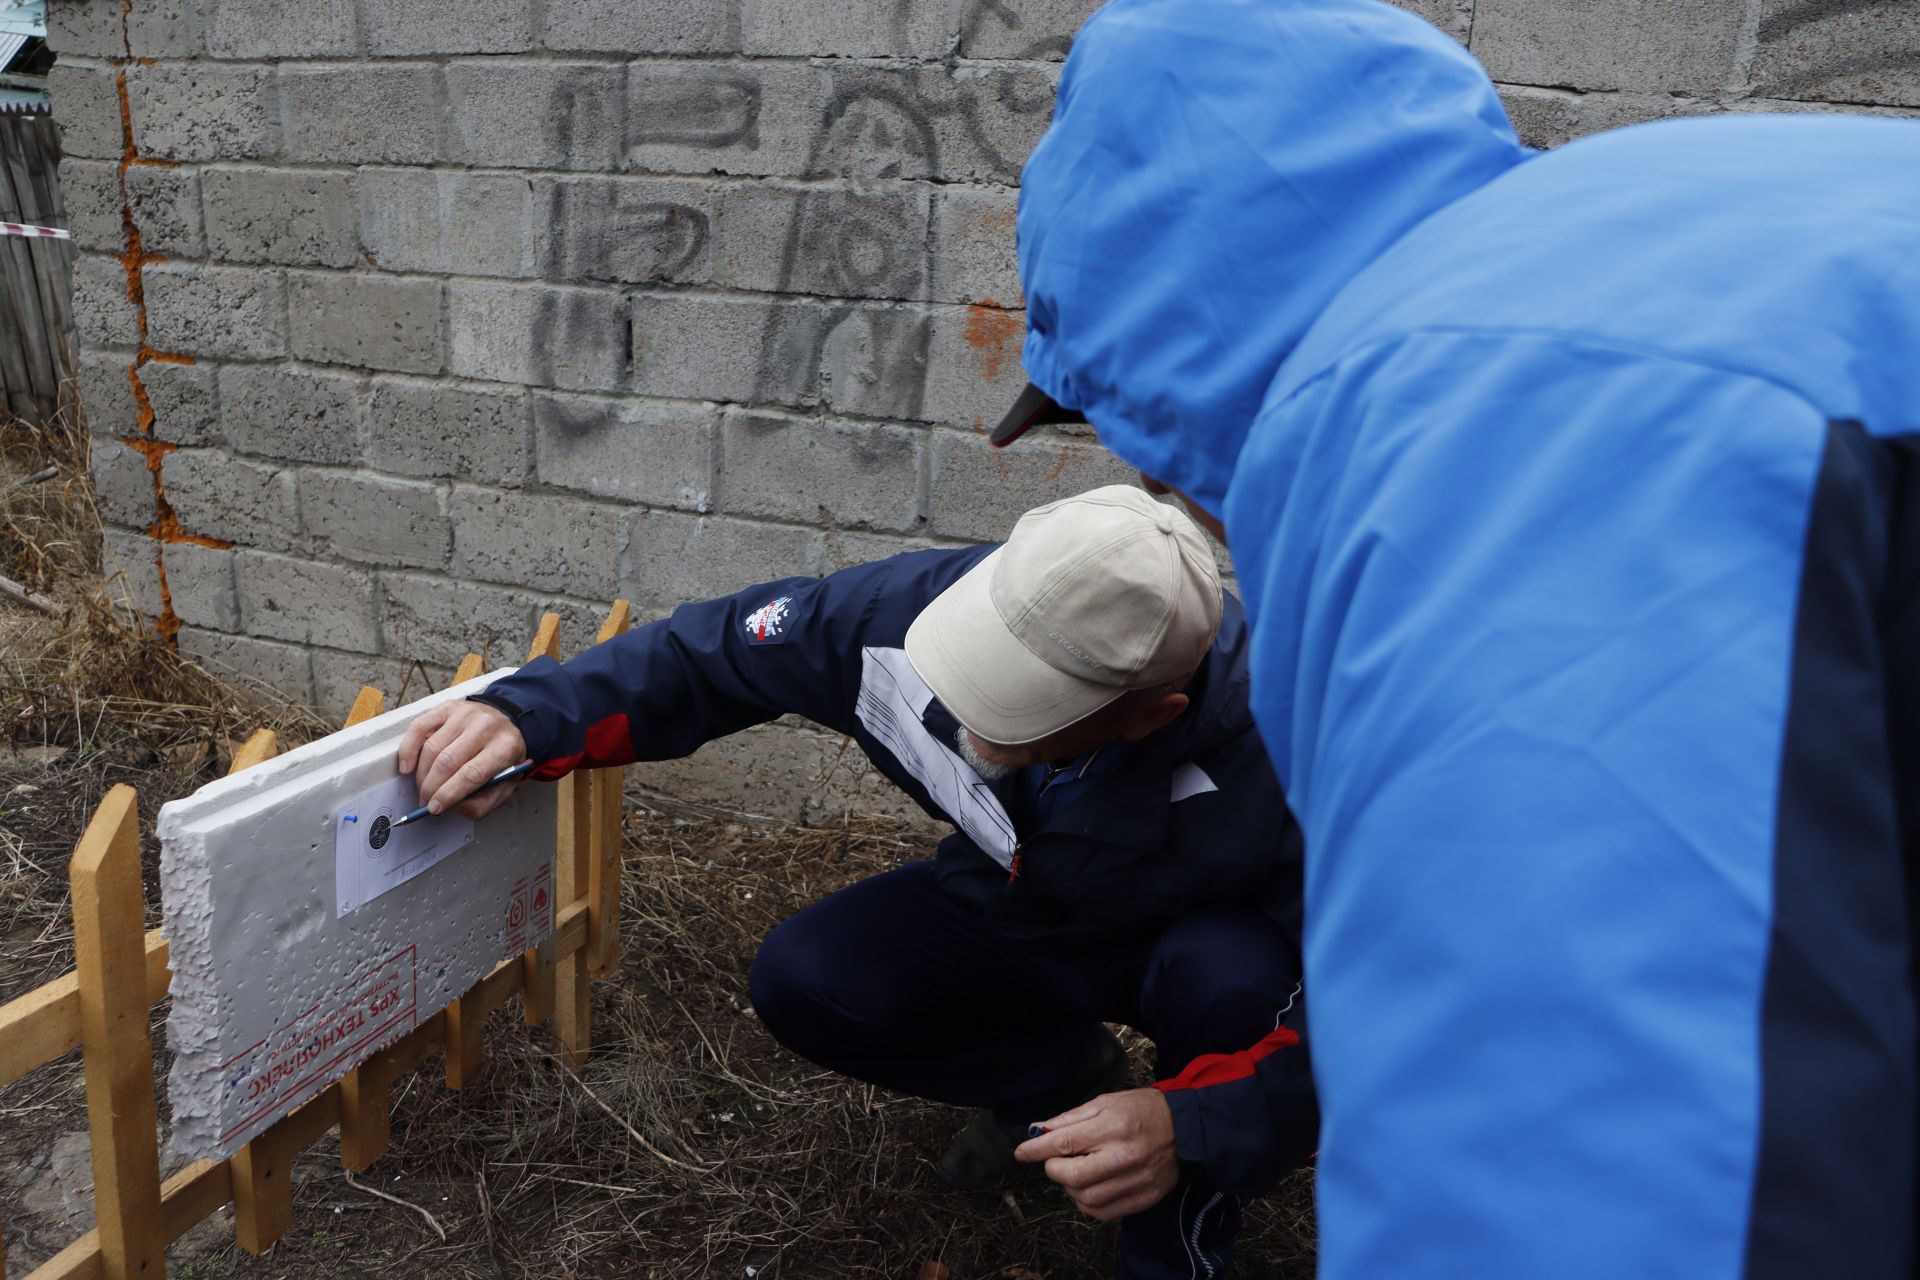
(108, 910)
(606, 797)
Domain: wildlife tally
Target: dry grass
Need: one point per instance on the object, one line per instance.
(690, 1145)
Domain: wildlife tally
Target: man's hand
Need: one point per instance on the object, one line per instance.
(1114, 1155)
(455, 747)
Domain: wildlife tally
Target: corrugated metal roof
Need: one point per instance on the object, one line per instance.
(9, 46)
(29, 18)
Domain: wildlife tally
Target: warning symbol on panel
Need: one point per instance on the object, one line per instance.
(540, 899)
(516, 939)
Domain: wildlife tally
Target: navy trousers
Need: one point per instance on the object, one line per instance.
(895, 982)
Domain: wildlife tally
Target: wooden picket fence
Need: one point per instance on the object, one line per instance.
(120, 972)
(36, 275)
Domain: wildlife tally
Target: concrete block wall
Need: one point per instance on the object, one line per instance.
(405, 320)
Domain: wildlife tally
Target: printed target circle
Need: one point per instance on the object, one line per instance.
(380, 832)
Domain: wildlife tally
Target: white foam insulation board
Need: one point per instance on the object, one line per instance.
(306, 934)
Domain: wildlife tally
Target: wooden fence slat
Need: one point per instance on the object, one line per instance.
(108, 911)
(603, 871)
(572, 997)
(539, 961)
(469, 668)
(259, 747)
(263, 1172)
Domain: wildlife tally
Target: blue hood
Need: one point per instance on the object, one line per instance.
(1216, 171)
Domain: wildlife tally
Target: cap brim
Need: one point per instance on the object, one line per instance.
(1034, 408)
(993, 684)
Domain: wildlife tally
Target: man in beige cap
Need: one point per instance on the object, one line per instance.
(1074, 702)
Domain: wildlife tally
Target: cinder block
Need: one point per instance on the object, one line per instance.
(851, 29)
(538, 335)
(200, 584)
(284, 978)
(277, 411)
(85, 29)
(536, 115)
(360, 114)
(338, 678)
(166, 207)
(973, 365)
(1665, 45)
(812, 471)
(787, 771)
(102, 312)
(1455, 17)
(876, 361)
(441, 221)
(629, 230)
(661, 455)
(1852, 53)
(375, 321)
(970, 124)
(450, 430)
(439, 620)
(437, 429)
(300, 217)
(86, 107)
(185, 408)
(752, 350)
(824, 240)
(108, 29)
(122, 484)
(725, 117)
(375, 520)
(275, 29)
(1550, 117)
(440, 27)
(284, 669)
(552, 543)
(196, 111)
(620, 26)
(130, 560)
(1032, 31)
(90, 190)
(974, 257)
(677, 558)
(219, 496)
(106, 393)
(978, 492)
(308, 603)
(231, 312)
(844, 548)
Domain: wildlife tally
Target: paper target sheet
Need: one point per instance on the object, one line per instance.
(370, 856)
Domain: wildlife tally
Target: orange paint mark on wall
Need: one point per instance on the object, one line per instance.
(989, 332)
(1060, 467)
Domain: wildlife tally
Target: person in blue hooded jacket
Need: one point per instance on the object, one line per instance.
(1074, 702)
(1573, 495)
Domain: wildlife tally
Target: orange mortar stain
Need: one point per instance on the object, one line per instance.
(1060, 466)
(134, 259)
(989, 328)
(1000, 221)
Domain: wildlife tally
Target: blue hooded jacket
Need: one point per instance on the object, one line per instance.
(1518, 456)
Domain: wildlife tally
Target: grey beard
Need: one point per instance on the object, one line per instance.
(987, 769)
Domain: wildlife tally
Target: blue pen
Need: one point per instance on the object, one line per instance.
(505, 775)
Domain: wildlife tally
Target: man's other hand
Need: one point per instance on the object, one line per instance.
(1114, 1155)
(453, 749)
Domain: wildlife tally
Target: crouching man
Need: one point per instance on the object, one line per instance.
(1075, 704)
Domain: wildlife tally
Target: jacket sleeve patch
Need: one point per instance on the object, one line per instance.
(771, 622)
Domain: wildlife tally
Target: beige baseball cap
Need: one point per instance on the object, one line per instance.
(1091, 597)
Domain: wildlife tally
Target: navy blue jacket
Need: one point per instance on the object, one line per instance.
(1191, 814)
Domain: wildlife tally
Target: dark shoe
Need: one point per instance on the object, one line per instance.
(981, 1157)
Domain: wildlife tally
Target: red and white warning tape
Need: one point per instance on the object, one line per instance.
(27, 229)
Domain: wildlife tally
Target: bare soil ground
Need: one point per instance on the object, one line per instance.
(690, 1145)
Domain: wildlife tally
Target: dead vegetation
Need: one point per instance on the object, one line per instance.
(689, 1145)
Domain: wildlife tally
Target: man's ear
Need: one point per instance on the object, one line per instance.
(1155, 717)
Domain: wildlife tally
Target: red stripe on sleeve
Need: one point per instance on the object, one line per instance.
(609, 743)
(1221, 1068)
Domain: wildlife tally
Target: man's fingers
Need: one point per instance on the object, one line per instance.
(482, 754)
(1076, 1172)
(417, 734)
(1071, 1133)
